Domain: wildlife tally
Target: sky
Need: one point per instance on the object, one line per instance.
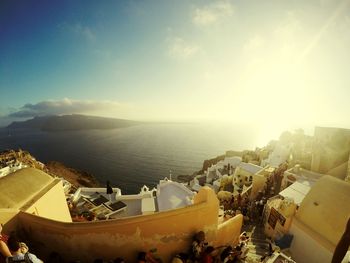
(273, 63)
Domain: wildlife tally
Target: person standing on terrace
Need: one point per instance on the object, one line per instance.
(109, 191)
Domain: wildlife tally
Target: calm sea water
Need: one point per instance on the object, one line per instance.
(134, 156)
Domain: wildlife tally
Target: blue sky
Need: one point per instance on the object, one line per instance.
(266, 62)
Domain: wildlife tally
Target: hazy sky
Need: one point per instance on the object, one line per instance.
(275, 63)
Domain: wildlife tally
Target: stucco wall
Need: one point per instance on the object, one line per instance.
(320, 220)
(339, 171)
(51, 203)
(326, 208)
(9, 219)
(229, 231)
(170, 232)
(278, 231)
(259, 182)
(307, 246)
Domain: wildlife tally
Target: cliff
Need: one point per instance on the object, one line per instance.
(75, 177)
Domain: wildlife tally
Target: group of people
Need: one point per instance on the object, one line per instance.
(202, 252)
(199, 252)
(13, 250)
(252, 210)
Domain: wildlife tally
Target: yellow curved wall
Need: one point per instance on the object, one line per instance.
(170, 232)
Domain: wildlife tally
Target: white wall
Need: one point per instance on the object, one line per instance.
(4, 171)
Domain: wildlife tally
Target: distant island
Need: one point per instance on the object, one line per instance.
(71, 122)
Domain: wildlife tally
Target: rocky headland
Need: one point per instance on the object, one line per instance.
(76, 177)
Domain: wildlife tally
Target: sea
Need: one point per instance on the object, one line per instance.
(135, 156)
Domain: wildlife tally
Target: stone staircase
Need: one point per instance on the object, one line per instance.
(258, 244)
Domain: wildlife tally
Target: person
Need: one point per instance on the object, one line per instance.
(180, 258)
(232, 203)
(271, 251)
(198, 246)
(238, 251)
(261, 208)
(207, 256)
(152, 257)
(239, 200)
(243, 251)
(23, 247)
(228, 255)
(244, 237)
(119, 260)
(343, 245)
(55, 257)
(109, 191)
(141, 257)
(4, 250)
(16, 250)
